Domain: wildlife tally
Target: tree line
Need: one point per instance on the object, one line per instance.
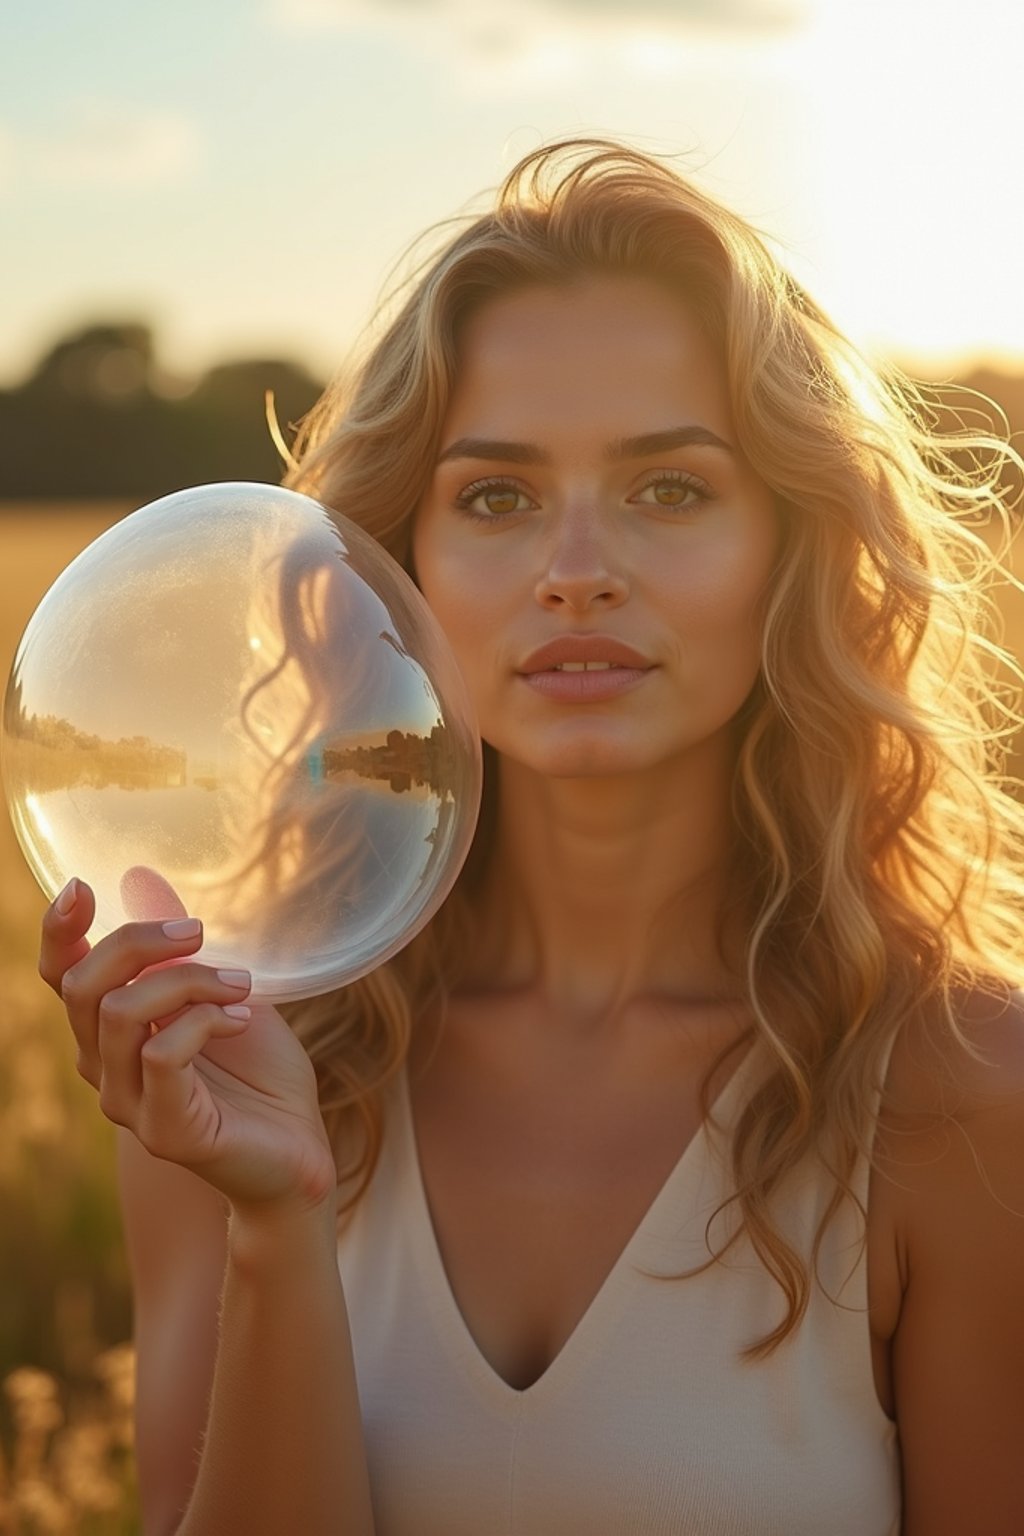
(99, 418)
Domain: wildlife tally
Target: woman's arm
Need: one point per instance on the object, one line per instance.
(958, 1351)
(175, 1229)
(283, 1448)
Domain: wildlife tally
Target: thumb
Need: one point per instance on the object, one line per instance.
(147, 897)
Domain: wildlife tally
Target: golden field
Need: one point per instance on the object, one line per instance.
(65, 1323)
(66, 1363)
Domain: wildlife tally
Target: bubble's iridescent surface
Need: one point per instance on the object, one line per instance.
(237, 705)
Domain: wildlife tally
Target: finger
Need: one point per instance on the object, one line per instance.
(66, 921)
(127, 1015)
(177, 1117)
(146, 896)
(113, 962)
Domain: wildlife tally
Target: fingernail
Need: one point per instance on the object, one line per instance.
(237, 1011)
(183, 928)
(67, 898)
(239, 979)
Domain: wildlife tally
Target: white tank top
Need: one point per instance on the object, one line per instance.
(647, 1423)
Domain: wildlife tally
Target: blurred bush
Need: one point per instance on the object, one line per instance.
(99, 417)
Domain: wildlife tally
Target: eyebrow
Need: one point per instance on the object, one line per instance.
(642, 447)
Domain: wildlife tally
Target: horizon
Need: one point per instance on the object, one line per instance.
(175, 383)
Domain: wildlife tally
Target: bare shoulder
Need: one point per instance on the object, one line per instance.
(932, 1072)
(950, 1142)
(951, 1148)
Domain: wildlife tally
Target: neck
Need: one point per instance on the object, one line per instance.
(602, 891)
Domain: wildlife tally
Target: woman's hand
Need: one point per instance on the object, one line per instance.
(230, 1096)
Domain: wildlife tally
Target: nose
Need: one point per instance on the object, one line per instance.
(582, 567)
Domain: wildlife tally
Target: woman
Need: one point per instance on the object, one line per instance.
(679, 1158)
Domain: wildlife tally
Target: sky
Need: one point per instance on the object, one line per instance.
(245, 174)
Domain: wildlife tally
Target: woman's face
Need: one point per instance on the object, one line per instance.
(591, 540)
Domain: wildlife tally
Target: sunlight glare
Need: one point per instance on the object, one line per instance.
(39, 818)
(919, 122)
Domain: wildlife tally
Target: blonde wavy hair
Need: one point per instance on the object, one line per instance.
(878, 856)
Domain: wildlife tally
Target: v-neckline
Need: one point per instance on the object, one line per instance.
(435, 1279)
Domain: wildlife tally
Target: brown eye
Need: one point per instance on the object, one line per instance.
(674, 491)
(499, 501)
(490, 501)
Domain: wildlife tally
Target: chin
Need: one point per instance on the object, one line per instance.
(590, 755)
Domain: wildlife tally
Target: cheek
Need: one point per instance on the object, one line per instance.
(719, 603)
(461, 592)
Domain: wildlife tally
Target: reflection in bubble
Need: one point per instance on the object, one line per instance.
(245, 695)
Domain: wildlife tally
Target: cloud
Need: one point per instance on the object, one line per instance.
(485, 19)
(103, 144)
(681, 14)
(553, 44)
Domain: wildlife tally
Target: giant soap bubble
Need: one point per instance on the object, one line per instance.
(235, 704)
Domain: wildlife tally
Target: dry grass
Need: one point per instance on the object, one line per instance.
(70, 1473)
(65, 1418)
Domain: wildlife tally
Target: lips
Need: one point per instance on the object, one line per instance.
(575, 651)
